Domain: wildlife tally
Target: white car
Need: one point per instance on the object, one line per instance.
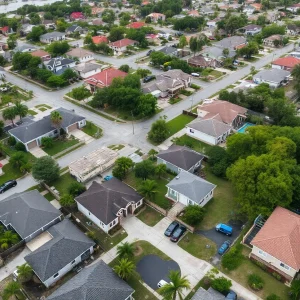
(15, 275)
(3, 89)
(161, 283)
(195, 74)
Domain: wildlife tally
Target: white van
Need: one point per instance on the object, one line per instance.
(195, 74)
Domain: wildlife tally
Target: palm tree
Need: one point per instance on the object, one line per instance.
(21, 109)
(56, 120)
(160, 170)
(25, 272)
(7, 238)
(125, 250)
(173, 289)
(9, 114)
(152, 153)
(17, 159)
(148, 189)
(12, 291)
(125, 268)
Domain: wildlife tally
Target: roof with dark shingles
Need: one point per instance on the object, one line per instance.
(180, 156)
(68, 243)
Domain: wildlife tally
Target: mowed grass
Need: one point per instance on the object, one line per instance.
(60, 145)
(63, 183)
(92, 130)
(197, 246)
(150, 216)
(178, 123)
(10, 172)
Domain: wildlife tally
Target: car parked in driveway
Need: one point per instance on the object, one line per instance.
(177, 234)
(161, 283)
(148, 78)
(231, 295)
(223, 228)
(171, 228)
(7, 185)
(225, 246)
(108, 177)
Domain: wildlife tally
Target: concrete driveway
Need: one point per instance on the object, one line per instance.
(38, 152)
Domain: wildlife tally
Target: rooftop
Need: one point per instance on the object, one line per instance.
(272, 75)
(288, 61)
(123, 43)
(79, 52)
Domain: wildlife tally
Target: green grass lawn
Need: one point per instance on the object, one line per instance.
(63, 182)
(36, 187)
(60, 145)
(196, 245)
(10, 172)
(49, 197)
(196, 145)
(43, 105)
(32, 112)
(42, 109)
(216, 73)
(150, 216)
(116, 147)
(178, 123)
(92, 130)
(218, 209)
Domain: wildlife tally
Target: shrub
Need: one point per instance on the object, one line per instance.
(221, 284)
(76, 188)
(11, 141)
(124, 68)
(20, 147)
(273, 297)
(255, 282)
(195, 86)
(193, 215)
(47, 142)
(233, 258)
(66, 200)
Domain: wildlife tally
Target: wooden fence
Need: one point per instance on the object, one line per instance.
(156, 207)
(189, 113)
(12, 249)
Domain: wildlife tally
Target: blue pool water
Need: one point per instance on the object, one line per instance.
(244, 127)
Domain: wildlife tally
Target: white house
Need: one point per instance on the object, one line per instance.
(190, 189)
(80, 54)
(120, 46)
(273, 77)
(58, 65)
(54, 36)
(85, 70)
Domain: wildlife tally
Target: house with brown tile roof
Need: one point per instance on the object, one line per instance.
(285, 63)
(155, 17)
(276, 245)
(42, 54)
(120, 46)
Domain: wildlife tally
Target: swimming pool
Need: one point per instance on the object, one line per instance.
(244, 127)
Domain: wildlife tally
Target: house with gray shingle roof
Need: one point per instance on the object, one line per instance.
(53, 36)
(28, 213)
(94, 282)
(190, 189)
(273, 77)
(178, 158)
(209, 294)
(66, 248)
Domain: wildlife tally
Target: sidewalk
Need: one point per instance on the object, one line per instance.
(168, 142)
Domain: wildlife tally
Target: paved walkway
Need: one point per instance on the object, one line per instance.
(168, 142)
(190, 266)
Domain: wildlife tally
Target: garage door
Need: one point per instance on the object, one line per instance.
(72, 127)
(32, 144)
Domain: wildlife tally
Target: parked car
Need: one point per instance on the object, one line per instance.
(161, 283)
(195, 74)
(7, 185)
(108, 177)
(225, 246)
(15, 275)
(177, 234)
(231, 296)
(223, 228)
(4, 89)
(149, 52)
(149, 78)
(171, 228)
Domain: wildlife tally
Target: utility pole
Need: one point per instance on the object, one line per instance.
(132, 123)
(192, 103)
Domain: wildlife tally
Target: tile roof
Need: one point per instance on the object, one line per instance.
(136, 25)
(27, 212)
(95, 282)
(122, 43)
(79, 52)
(106, 199)
(68, 243)
(99, 39)
(181, 156)
(40, 53)
(280, 237)
(288, 61)
(77, 15)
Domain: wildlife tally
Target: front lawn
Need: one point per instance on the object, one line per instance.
(60, 145)
(178, 123)
(10, 172)
(49, 197)
(198, 246)
(63, 182)
(92, 130)
(196, 145)
(32, 112)
(150, 216)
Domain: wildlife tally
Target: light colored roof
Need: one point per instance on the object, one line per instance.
(272, 75)
(99, 39)
(40, 53)
(99, 157)
(79, 52)
(52, 34)
(193, 187)
(87, 67)
(212, 127)
(122, 43)
(209, 294)
(280, 237)
(288, 61)
(231, 42)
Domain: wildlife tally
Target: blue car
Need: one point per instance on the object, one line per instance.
(108, 177)
(225, 246)
(231, 296)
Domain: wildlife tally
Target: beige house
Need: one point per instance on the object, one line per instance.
(93, 164)
(155, 17)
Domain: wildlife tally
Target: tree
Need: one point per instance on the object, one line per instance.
(80, 93)
(12, 289)
(175, 287)
(295, 289)
(76, 188)
(193, 214)
(235, 22)
(148, 189)
(25, 272)
(116, 33)
(69, 74)
(272, 30)
(143, 72)
(182, 42)
(152, 153)
(160, 170)
(56, 81)
(3, 61)
(8, 238)
(122, 165)
(35, 33)
(124, 68)
(56, 120)
(296, 76)
(21, 110)
(250, 49)
(108, 16)
(45, 169)
(12, 41)
(195, 45)
(125, 250)
(58, 48)
(221, 284)
(273, 297)
(144, 169)
(66, 200)
(225, 52)
(47, 142)
(18, 159)
(124, 268)
(159, 131)
(9, 114)
(146, 105)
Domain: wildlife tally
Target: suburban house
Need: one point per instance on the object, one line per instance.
(3, 46)
(120, 46)
(28, 214)
(168, 50)
(104, 78)
(224, 111)
(97, 11)
(273, 77)
(97, 22)
(105, 204)
(76, 16)
(54, 36)
(85, 70)
(209, 294)
(251, 29)
(232, 43)
(216, 53)
(294, 8)
(155, 17)
(178, 158)
(207, 11)
(31, 132)
(285, 63)
(136, 25)
(93, 164)
(201, 61)
(211, 131)
(43, 55)
(6, 30)
(80, 54)
(292, 29)
(65, 246)
(193, 13)
(276, 244)
(99, 39)
(97, 281)
(25, 48)
(251, 8)
(273, 40)
(190, 189)
(25, 29)
(168, 83)
(295, 53)
(49, 24)
(213, 23)
(58, 65)
(74, 29)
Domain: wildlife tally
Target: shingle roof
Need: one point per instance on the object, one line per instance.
(94, 282)
(27, 212)
(231, 42)
(106, 199)
(272, 75)
(280, 237)
(211, 127)
(191, 186)
(87, 67)
(73, 28)
(30, 131)
(209, 294)
(180, 156)
(68, 243)
(168, 50)
(79, 52)
(59, 61)
(52, 34)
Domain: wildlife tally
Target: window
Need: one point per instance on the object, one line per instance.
(262, 253)
(190, 202)
(73, 262)
(55, 275)
(284, 266)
